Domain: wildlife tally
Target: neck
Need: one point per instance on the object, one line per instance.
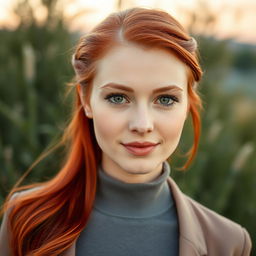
(133, 200)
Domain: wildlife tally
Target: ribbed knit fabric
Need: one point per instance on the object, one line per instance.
(131, 219)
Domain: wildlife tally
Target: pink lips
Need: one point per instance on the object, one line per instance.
(140, 148)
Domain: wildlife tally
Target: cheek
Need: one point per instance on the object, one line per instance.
(173, 126)
(106, 124)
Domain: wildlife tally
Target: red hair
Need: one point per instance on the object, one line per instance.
(49, 220)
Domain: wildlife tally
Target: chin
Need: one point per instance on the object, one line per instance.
(135, 167)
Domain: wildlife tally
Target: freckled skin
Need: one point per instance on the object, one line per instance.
(142, 117)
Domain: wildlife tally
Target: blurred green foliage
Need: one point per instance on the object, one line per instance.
(223, 175)
(35, 67)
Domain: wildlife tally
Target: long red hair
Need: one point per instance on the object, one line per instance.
(49, 220)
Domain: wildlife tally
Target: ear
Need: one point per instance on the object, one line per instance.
(86, 106)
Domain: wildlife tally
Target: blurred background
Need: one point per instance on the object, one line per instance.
(37, 40)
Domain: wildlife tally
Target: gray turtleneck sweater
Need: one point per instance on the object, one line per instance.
(131, 219)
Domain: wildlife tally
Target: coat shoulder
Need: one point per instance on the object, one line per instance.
(219, 228)
(5, 233)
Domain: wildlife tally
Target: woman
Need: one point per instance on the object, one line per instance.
(136, 77)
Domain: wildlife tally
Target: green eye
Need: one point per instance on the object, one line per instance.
(115, 98)
(168, 100)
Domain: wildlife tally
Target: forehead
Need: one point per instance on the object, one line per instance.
(135, 66)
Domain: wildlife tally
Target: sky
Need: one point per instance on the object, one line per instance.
(232, 18)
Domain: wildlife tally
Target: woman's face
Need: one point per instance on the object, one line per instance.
(126, 107)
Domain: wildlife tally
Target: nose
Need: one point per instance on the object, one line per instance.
(141, 121)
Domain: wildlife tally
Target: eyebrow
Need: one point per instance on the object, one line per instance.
(128, 89)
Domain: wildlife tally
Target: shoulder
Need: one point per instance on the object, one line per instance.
(5, 231)
(208, 231)
(16, 195)
(219, 230)
(4, 228)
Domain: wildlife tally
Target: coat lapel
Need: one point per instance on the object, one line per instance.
(192, 241)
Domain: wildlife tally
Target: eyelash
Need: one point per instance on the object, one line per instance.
(111, 95)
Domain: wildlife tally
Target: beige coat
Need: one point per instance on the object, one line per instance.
(202, 231)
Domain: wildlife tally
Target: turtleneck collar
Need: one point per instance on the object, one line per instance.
(133, 200)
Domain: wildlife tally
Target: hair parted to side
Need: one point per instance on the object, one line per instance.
(49, 220)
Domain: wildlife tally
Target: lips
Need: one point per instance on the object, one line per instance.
(140, 148)
(140, 144)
